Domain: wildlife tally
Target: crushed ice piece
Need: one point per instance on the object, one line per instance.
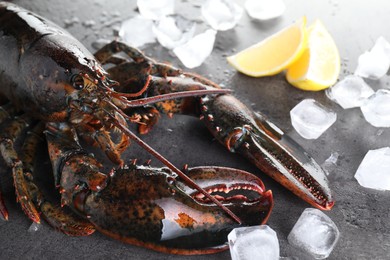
(34, 227)
(332, 158)
(194, 52)
(265, 9)
(221, 15)
(89, 23)
(137, 31)
(255, 242)
(350, 92)
(172, 32)
(377, 109)
(315, 233)
(310, 118)
(155, 10)
(375, 63)
(72, 21)
(374, 170)
(330, 163)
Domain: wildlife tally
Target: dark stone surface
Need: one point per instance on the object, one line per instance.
(362, 215)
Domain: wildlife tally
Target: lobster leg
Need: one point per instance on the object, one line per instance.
(6, 112)
(29, 196)
(105, 55)
(13, 130)
(67, 223)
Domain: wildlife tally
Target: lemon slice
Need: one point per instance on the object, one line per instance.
(319, 66)
(273, 54)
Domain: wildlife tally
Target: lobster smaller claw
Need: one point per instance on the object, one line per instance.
(265, 145)
(151, 207)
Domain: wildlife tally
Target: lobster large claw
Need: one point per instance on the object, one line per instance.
(149, 207)
(252, 135)
(153, 207)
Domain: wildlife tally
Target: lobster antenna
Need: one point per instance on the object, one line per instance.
(181, 174)
(174, 95)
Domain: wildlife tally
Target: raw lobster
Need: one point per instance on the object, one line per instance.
(47, 75)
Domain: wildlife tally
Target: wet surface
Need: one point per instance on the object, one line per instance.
(362, 215)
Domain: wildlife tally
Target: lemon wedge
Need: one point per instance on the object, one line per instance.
(319, 66)
(274, 54)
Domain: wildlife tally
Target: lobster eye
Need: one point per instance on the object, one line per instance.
(77, 82)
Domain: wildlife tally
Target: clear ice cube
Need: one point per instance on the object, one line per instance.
(221, 15)
(377, 109)
(374, 170)
(375, 63)
(155, 10)
(173, 31)
(256, 242)
(265, 9)
(310, 118)
(194, 52)
(350, 92)
(137, 31)
(314, 233)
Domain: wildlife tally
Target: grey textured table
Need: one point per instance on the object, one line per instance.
(362, 215)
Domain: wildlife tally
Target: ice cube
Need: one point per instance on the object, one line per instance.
(375, 63)
(310, 118)
(137, 31)
(155, 10)
(374, 170)
(34, 227)
(256, 242)
(194, 52)
(377, 109)
(173, 31)
(221, 15)
(314, 233)
(350, 92)
(265, 9)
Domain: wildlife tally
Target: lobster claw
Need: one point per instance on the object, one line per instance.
(266, 146)
(151, 207)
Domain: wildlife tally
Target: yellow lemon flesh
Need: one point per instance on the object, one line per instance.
(274, 54)
(319, 66)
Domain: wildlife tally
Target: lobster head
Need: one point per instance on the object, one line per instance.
(153, 208)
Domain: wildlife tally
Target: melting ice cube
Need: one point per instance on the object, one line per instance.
(310, 119)
(221, 15)
(375, 63)
(195, 51)
(265, 9)
(256, 242)
(350, 92)
(377, 109)
(137, 31)
(315, 233)
(155, 10)
(173, 31)
(374, 170)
